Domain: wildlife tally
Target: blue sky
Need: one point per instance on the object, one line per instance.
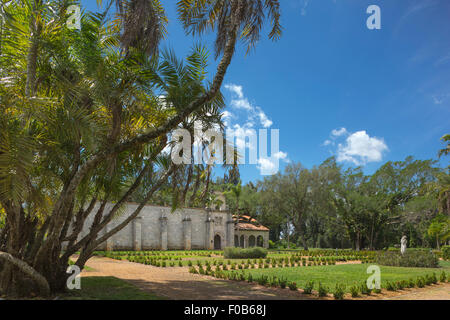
(389, 88)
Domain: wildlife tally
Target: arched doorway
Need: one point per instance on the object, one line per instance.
(242, 242)
(251, 241)
(260, 241)
(236, 241)
(217, 242)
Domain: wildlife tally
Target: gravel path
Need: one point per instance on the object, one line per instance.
(178, 284)
(435, 292)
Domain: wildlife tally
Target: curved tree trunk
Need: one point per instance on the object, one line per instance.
(27, 270)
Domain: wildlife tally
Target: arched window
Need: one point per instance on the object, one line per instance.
(217, 242)
(242, 242)
(251, 241)
(236, 241)
(260, 241)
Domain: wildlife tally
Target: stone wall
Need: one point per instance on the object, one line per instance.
(157, 228)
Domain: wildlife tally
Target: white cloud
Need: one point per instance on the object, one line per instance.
(440, 98)
(239, 101)
(339, 132)
(281, 155)
(360, 149)
(267, 166)
(253, 116)
(266, 122)
(236, 89)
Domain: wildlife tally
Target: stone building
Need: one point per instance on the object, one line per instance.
(158, 228)
(250, 233)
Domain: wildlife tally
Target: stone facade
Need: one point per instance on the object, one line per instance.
(158, 228)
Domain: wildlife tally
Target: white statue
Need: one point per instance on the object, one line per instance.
(403, 245)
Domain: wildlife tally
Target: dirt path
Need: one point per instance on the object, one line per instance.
(178, 284)
(435, 292)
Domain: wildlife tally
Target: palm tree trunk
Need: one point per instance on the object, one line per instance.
(196, 186)
(32, 57)
(208, 179)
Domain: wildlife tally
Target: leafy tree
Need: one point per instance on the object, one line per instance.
(84, 117)
(439, 229)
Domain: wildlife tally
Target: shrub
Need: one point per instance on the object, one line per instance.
(263, 280)
(420, 282)
(339, 291)
(193, 270)
(250, 277)
(434, 278)
(354, 290)
(273, 282)
(443, 277)
(282, 282)
(249, 253)
(446, 252)
(411, 283)
(292, 286)
(364, 289)
(377, 291)
(411, 258)
(323, 290)
(309, 286)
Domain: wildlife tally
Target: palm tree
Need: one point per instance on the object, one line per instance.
(143, 24)
(86, 120)
(246, 16)
(446, 150)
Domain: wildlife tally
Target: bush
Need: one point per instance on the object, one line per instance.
(323, 290)
(354, 290)
(282, 282)
(446, 252)
(239, 253)
(271, 244)
(443, 277)
(420, 282)
(411, 258)
(365, 290)
(391, 286)
(339, 291)
(308, 287)
(292, 286)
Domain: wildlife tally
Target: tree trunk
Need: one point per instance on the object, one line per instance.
(32, 57)
(358, 241)
(8, 274)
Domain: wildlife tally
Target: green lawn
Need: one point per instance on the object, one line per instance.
(108, 288)
(348, 274)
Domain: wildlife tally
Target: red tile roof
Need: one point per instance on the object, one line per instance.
(250, 226)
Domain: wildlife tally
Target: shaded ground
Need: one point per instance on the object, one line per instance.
(178, 284)
(108, 288)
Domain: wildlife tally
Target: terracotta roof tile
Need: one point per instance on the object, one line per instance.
(249, 226)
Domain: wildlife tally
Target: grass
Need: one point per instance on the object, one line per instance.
(108, 288)
(347, 274)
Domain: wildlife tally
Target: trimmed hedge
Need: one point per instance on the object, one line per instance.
(417, 259)
(239, 253)
(446, 252)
